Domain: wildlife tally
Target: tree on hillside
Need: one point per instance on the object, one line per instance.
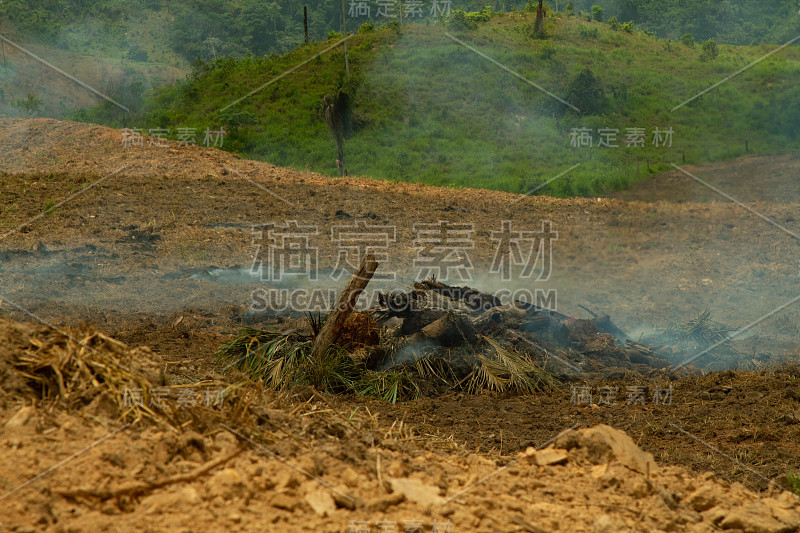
(586, 93)
(335, 111)
(261, 23)
(537, 27)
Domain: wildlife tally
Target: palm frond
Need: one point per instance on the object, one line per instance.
(266, 355)
(429, 368)
(315, 322)
(508, 370)
(388, 386)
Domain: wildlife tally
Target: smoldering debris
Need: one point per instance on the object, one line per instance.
(437, 338)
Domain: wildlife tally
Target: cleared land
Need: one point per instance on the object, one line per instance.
(134, 248)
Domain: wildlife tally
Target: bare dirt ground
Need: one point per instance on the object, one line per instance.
(148, 244)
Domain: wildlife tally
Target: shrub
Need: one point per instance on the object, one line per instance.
(533, 5)
(586, 93)
(30, 106)
(588, 32)
(235, 118)
(687, 39)
(136, 53)
(793, 483)
(366, 28)
(709, 50)
(570, 9)
(480, 16)
(458, 20)
(547, 51)
(597, 13)
(462, 21)
(616, 25)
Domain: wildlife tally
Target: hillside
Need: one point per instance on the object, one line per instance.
(427, 108)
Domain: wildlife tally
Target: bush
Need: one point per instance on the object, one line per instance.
(460, 20)
(547, 51)
(570, 9)
(533, 6)
(30, 106)
(793, 483)
(366, 28)
(586, 93)
(235, 118)
(588, 32)
(484, 15)
(616, 25)
(136, 53)
(597, 13)
(687, 39)
(709, 50)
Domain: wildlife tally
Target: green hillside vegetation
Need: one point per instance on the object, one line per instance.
(427, 109)
(217, 28)
(124, 47)
(727, 21)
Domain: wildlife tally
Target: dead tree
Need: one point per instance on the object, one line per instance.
(335, 111)
(538, 25)
(344, 306)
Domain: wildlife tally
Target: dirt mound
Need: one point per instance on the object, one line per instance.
(352, 475)
(73, 366)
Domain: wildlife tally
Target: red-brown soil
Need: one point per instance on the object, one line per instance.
(131, 254)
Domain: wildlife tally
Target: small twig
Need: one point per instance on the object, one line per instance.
(465, 379)
(141, 486)
(378, 468)
(527, 526)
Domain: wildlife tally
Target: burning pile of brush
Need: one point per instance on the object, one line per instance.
(435, 338)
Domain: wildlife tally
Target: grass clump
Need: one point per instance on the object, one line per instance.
(793, 483)
(282, 361)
